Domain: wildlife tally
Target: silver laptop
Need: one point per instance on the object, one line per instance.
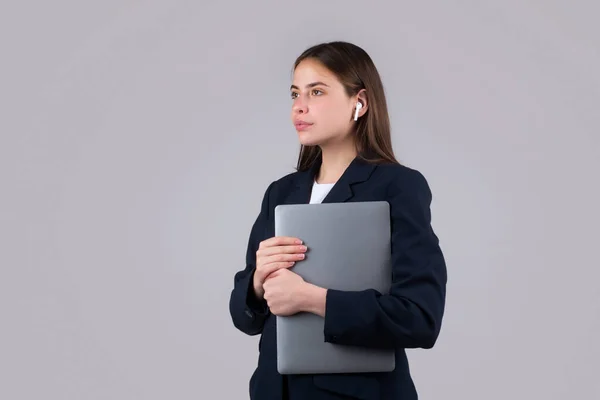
(349, 248)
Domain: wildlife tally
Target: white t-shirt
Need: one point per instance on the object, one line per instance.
(319, 191)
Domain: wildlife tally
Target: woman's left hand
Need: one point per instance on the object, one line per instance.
(284, 292)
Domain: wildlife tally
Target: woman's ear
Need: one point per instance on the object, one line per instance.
(361, 97)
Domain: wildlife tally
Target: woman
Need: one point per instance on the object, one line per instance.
(340, 114)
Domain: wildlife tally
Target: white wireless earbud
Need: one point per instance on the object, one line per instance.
(358, 107)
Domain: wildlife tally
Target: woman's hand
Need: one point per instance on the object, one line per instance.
(272, 255)
(285, 292)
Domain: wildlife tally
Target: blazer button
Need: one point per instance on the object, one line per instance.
(249, 313)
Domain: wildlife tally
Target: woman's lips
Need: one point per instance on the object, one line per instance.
(302, 126)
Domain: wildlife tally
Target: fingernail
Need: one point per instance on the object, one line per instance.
(298, 241)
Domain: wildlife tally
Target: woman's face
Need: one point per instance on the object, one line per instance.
(321, 110)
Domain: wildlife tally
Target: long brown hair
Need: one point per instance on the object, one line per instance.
(356, 71)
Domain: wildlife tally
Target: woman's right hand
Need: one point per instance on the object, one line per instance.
(273, 254)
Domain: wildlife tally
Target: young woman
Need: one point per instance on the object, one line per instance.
(340, 114)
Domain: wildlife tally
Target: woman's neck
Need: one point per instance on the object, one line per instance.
(334, 163)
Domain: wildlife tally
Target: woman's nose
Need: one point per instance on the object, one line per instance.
(300, 107)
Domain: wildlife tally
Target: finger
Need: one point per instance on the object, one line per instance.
(272, 267)
(279, 241)
(284, 249)
(277, 258)
(264, 270)
(276, 276)
(275, 273)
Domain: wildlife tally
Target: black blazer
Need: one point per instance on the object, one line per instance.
(410, 316)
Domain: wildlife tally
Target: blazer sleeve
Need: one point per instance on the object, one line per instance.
(410, 316)
(249, 313)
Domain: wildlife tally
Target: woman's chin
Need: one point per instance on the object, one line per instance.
(307, 139)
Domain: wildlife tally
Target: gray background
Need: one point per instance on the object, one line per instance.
(138, 139)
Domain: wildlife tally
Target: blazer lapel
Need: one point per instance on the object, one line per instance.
(358, 171)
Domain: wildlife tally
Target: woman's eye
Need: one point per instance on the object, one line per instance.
(317, 90)
(294, 95)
